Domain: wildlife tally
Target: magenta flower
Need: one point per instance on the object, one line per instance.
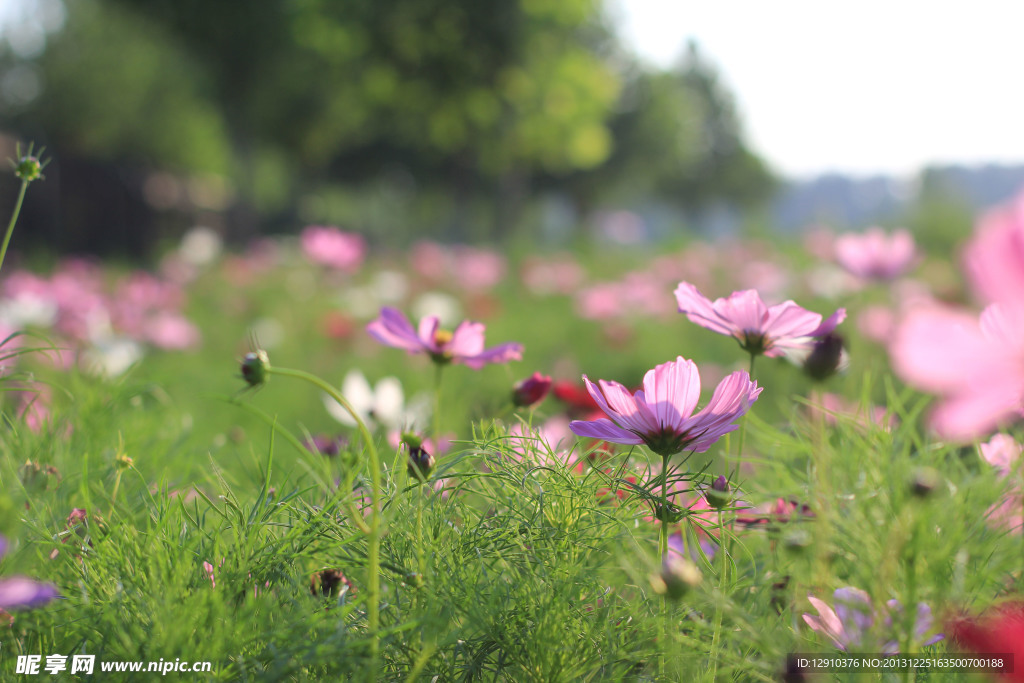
(465, 345)
(874, 255)
(758, 327)
(21, 592)
(661, 414)
(531, 390)
(332, 247)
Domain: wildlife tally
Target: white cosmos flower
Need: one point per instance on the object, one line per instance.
(383, 405)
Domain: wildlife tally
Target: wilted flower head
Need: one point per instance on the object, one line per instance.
(875, 255)
(465, 345)
(661, 415)
(758, 328)
(330, 583)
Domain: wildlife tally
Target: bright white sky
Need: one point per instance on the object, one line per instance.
(857, 87)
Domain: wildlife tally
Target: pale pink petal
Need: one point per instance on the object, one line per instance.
(744, 310)
(1001, 452)
(732, 398)
(699, 309)
(427, 333)
(938, 349)
(502, 353)
(604, 429)
(789, 320)
(672, 390)
(624, 409)
(968, 416)
(467, 340)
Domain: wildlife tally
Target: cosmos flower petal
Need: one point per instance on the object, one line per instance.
(502, 353)
(732, 398)
(19, 591)
(625, 411)
(467, 340)
(393, 329)
(605, 430)
(672, 390)
(789, 320)
(427, 333)
(830, 323)
(699, 309)
(744, 310)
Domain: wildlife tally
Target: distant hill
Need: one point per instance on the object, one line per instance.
(847, 202)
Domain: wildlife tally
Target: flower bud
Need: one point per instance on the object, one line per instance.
(28, 169)
(678, 576)
(925, 481)
(256, 367)
(420, 461)
(718, 494)
(531, 390)
(825, 357)
(330, 583)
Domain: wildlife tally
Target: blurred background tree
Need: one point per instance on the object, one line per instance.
(413, 116)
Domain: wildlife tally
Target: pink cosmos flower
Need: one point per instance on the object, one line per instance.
(661, 414)
(758, 327)
(332, 247)
(975, 364)
(465, 345)
(1001, 452)
(994, 258)
(874, 255)
(853, 619)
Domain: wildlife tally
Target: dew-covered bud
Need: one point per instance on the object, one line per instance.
(28, 168)
(531, 390)
(719, 494)
(256, 368)
(825, 357)
(678, 576)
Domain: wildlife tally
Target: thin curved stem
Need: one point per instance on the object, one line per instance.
(14, 219)
(374, 535)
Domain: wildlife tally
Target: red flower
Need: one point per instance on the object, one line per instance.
(1001, 631)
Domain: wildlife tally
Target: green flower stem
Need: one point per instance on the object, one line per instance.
(743, 424)
(374, 535)
(14, 219)
(662, 556)
(438, 374)
(723, 551)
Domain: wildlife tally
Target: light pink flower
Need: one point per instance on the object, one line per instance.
(332, 247)
(975, 364)
(874, 255)
(994, 258)
(661, 414)
(758, 327)
(853, 619)
(171, 331)
(1001, 452)
(465, 345)
(478, 269)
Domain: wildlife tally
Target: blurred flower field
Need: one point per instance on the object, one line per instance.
(182, 480)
